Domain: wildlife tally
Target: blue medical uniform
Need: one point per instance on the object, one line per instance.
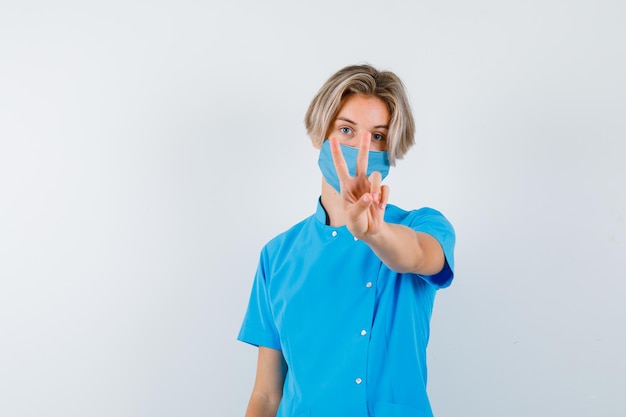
(352, 331)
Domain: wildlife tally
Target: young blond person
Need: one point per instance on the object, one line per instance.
(341, 302)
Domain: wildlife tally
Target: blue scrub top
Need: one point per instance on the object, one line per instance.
(352, 331)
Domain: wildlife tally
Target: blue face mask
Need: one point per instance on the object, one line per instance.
(376, 161)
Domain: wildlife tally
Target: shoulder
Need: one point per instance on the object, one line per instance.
(426, 220)
(422, 217)
(286, 239)
(433, 222)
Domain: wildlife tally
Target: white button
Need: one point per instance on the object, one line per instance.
(363, 332)
(369, 284)
(334, 233)
(356, 238)
(358, 380)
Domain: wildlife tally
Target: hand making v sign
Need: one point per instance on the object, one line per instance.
(363, 198)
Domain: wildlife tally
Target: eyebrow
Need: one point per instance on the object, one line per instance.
(350, 121)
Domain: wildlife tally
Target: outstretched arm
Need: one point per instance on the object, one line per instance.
(364, 200)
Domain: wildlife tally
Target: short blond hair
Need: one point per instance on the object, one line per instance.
(368, 81)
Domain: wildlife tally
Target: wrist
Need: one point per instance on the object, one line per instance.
(374, 235)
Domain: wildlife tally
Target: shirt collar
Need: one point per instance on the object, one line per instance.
(320, 213)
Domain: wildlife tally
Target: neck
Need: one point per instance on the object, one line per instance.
(331, 200)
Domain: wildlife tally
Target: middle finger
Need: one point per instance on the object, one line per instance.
(362, 157)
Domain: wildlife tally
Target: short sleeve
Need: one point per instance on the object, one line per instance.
(258, 326)
(435, 224)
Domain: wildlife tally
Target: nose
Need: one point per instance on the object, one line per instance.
(355, 141)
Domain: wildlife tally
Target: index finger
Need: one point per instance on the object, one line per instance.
(340, 163)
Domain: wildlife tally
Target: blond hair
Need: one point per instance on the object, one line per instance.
(368, 81)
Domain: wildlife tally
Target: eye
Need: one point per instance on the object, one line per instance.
(345, 130)
(378, 137)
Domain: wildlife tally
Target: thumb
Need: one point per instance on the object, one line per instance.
(364, 202)
(361, 205)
